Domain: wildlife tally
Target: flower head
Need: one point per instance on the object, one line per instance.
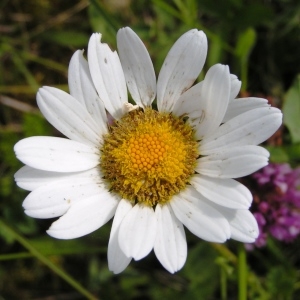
(276, 203)
(154, 170)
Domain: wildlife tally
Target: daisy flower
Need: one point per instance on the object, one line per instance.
(153, 170)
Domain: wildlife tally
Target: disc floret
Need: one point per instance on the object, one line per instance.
(148, 156)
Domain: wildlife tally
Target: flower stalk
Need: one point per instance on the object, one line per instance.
(242, 272)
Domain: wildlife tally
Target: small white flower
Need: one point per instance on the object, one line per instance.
(153, 170)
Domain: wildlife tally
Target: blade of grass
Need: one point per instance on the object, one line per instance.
(26, 89)
(21, 66)
(168, 8)
(113, 24)
(56, 269)
(45, 62)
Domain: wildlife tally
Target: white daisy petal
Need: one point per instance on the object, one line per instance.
(82, 89)
(30, 179)
(233, 162)
(213, 102)
(117, 260)
(225, 192)
(137, 67)
(235, 86)
(107, 75)
(243, 225)
(199, 217)
(181, 68)
(68, 116)
(55, 198)
(78, 77)
(56, 154)
(250, 128)
(242, 105)
(189, 103)
(170, 245)
(137, 232)
(84, 217)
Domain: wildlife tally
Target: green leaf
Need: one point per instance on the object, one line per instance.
(35, 125)
(293, 152)
(245, 43)
(278, 154)
(202, 283)
(215, 51)
(291, 110)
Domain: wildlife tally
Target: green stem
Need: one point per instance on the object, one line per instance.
(12, 256)
(242, 272)
(225, 252)
(51, 252)
(60, 272)
(223, 284)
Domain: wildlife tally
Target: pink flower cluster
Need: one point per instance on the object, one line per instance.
(276, 204)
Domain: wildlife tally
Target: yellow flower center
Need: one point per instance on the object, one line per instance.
(148, 156)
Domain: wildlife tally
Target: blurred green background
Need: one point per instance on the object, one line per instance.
(259, 40)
